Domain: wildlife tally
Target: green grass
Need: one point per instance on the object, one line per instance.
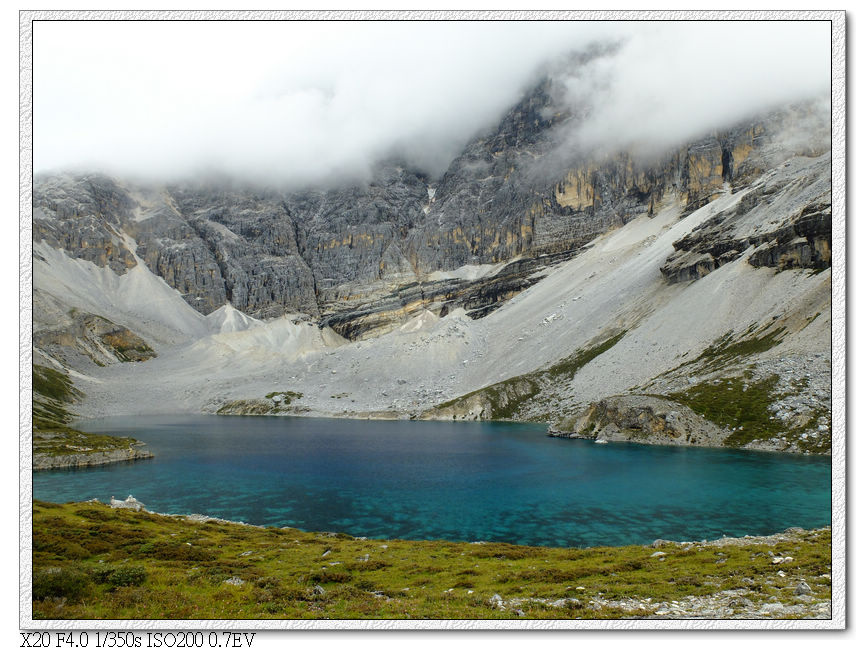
(504, 398)
(72, 441)
(742, 404)
(53, 384)
(569, 366)
(507, 398)
(727, 349)
(736, 402)
(92, 562)
(53, 392)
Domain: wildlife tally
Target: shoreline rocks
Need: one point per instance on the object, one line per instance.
(654, 420)
(88, 459)
(641, 418)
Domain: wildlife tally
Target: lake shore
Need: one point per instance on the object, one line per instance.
(144, 565)
(696, 436)
(396, 478)
(66, 448)
(44, 462)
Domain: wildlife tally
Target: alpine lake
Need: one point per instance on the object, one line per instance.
(458, 481)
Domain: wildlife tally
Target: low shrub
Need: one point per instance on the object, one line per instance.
(59, 582)
(123, 576)
(95, 514)
(127, 576)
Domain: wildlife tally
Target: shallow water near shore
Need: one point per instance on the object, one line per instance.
(489, 481)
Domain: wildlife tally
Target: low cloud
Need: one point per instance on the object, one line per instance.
(308, 102)
(669, 82)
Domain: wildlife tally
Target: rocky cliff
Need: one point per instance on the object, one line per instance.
(534, 279)
(364, 257)
(644, 419)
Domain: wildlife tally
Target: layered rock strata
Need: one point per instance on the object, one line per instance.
(88, 459)
(360, 256)
(785, 221)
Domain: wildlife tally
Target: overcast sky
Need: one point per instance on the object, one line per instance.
(298, 102)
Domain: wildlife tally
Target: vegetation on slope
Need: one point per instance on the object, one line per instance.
(53, 439)
(93, 562)
(743, 405)
(52, 393)
(506, 398)
(273, 404)
(727, 349)
(737, 404)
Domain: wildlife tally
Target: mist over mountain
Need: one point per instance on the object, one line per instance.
(293, 104)
(601, 226)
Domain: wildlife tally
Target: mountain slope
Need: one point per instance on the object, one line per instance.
(606, 292)
(364, 258)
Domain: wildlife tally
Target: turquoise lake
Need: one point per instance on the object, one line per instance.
(488, 481)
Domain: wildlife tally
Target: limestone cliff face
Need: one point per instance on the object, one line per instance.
(359, 256)
(97, 338)
(785, 221)
(84, 216)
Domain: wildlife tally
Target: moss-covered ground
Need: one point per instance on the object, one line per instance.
(94, 562)
(72, 441)
(53, 393)
(743, 404)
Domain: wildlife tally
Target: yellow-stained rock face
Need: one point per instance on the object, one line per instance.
(350, 240)
(740, 154)
(705, 172)
(576, 190)
(823, 248)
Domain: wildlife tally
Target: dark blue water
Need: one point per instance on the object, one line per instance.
(457, 481)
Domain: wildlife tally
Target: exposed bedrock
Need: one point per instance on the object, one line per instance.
(478, 297)
(89, 459)
(97, 338)
(783, 222)
(359, 255)
(641, 418)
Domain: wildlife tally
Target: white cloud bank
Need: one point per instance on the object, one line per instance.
(298, 102)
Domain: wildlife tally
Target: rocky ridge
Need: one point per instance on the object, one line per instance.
(801, 238)
(361, 256)
(521, 284)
